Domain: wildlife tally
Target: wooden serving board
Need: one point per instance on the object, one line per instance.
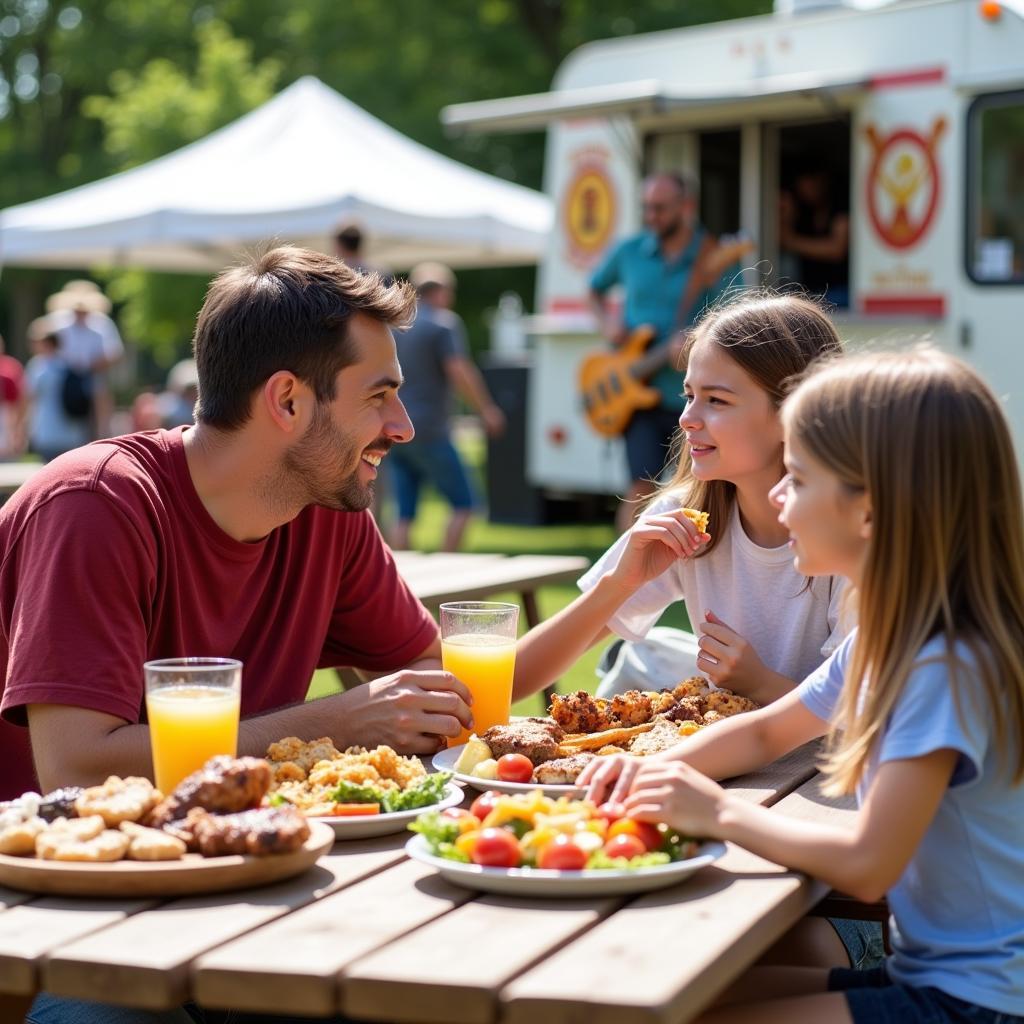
(191, 875)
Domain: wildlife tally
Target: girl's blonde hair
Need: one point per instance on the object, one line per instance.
(926, 439)
(772, 337)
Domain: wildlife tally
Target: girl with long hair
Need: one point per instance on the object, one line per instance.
(902, 478)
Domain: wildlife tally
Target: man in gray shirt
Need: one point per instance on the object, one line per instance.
(435, 360)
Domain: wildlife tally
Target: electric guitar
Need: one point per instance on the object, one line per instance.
(613, 384)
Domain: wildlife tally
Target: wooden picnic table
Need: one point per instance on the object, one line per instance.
(372, 934)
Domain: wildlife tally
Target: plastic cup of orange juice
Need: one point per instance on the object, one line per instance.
(193, 706)
(478, 647)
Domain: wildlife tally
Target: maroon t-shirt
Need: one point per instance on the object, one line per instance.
(109, 559)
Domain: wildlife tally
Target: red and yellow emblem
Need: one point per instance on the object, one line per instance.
(588, 210)
(903, 183)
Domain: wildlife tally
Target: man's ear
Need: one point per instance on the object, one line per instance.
(287, 401)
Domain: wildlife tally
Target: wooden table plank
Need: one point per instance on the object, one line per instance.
(144, 961)
(776, 781)
(30, 931)
(714, 926)
(451, 970)
(301, 955)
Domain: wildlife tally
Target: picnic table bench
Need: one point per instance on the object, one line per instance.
(375, 935)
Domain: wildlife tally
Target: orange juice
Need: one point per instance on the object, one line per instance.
(187, 726)
(485, 663)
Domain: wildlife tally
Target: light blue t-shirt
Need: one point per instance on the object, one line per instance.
(958, 909)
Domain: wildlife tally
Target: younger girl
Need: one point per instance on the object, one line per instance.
(764, 625)
(902, 478)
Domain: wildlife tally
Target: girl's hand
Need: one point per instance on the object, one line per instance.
(678, 795)
(726, 658)
(609, 778)
(654, 543)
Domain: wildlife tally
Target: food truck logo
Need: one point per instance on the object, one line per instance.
(589, 210)
(903, 183)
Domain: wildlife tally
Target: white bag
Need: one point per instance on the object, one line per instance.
(663, 658)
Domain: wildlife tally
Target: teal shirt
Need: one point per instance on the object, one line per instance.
(654, 288)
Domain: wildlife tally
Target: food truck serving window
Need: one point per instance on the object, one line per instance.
(995, 183)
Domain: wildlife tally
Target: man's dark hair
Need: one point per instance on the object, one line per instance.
(288, 309)
(350, 239)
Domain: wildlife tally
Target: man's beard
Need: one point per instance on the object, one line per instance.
(670, 229)
(324, 446)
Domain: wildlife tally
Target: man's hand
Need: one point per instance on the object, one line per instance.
(726, 658)
(413, 712)
(493, 420)
(654, 543)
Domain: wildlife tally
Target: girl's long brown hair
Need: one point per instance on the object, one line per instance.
(772, 337)
(928, 442)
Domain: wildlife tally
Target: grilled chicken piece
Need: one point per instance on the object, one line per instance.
(536, 738)
(580, 712)
(664, 735)
(223, 785)
(563, 771)
(632, 707)
(258, 833)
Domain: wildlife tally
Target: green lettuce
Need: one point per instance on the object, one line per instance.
(440, 833)
(429, 790)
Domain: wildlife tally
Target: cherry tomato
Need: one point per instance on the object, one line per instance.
(562, 854)
(467, 822)
(496, 848)
(647, 833)
(625, 845)
(515, 768)
(610, 811)
(484, 804)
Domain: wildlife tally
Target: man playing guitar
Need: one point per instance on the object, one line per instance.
(654, 268)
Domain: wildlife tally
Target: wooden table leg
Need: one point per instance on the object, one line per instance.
(533, 619)
(14, 1008)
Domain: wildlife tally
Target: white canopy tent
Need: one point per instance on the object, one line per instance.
(292, 170)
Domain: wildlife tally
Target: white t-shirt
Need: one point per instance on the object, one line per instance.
(792, 624)
(82, 344)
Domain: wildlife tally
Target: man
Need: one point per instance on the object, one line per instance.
(654, 268)
(435, 358)
(244, 536)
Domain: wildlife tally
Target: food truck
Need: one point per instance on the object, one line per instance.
(914, 110)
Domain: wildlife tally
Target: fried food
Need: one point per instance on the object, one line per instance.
(60, 803)
(382, 768)
(536, 738)
(687, 709)
(662, 736)
(118, 800)
(292, 758)
(257, 833)
(82, 840)
(710, 717)
(632, 708)
(698, 518)
(695, 686)
(727, 703)
(18, 839)
(611, 749)
(224, 785)
(562, 771)
(580, 712)
(151, 843)
(661, 701)
(596, 740)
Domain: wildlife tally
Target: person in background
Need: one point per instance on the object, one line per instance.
(814, 228)
(89, 342)
(654, 268)
(178, 401)
(12, 406)
(349, 241)
(51, 431)
(435, 361)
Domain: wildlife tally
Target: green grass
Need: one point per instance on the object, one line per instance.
(588, 539)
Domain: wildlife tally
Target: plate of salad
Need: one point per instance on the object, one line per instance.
(533, 845)
(360, 793)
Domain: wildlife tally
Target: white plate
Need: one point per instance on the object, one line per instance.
(537, 882)
(365, 827)
(444, 761)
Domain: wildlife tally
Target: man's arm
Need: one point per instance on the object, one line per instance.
(408, 710)
(833, 248)
(468, 381)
